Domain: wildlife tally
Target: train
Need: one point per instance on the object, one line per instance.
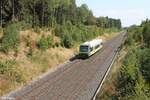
(87, 49)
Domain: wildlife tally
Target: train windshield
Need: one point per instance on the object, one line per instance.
(84, 48)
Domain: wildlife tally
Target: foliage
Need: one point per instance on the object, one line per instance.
(47, 12)
(43, 43)
(145, 63)
(80, 33)
(146, 34)
(50, 41)
(128, 75)
(10, 40)
(70, 23)
(129, 41)
(106, 22)
(7, 68)
(135, 32)
(133, 80)
(67, 41)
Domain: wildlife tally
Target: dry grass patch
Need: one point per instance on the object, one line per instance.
(108, 36)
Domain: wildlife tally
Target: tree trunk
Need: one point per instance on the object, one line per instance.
(13, 10)
(33, 15)
(1, 6)
(43, 10)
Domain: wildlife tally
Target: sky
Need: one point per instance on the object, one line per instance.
(129, 11)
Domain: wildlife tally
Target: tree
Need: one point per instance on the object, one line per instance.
(83, 13)
(10, 40)
(90, 19)
(67, 41)
(1, 16)
(146, 34)
(145, 63)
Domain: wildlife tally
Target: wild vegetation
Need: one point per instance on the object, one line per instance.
(63, 18)
(132, 82)
(36, 35)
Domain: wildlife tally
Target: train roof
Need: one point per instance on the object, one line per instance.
(93, 42)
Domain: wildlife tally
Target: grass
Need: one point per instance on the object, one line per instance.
(28, 69)
(10, 76)
(108, 89)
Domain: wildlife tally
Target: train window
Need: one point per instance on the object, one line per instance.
(84, 49)
(91, 49)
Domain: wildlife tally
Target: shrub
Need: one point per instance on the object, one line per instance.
(145, 64)
(24, 25)
(10, 40)
(129, 41)
(128, 75)
(8, 69)
(146, 34)
(59, 31)
(43, 43)
(50, 41)
(67, 41)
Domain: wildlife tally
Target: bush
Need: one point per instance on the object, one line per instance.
(128, 75)
(129, 41)
(67, 41)
(59, 31)
(24, 25)
(43, 43)
(145, 64)
(50, 41)
(10, 40)
(9, 71)
(146, 34)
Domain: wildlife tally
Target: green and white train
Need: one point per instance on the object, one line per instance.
(89, 48)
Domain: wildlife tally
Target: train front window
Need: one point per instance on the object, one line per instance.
(84, 49)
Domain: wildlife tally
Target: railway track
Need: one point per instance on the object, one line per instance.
(77, 80)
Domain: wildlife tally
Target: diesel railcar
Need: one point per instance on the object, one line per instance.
(89, 48)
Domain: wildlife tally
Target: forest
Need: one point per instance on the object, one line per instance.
(45, 13)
